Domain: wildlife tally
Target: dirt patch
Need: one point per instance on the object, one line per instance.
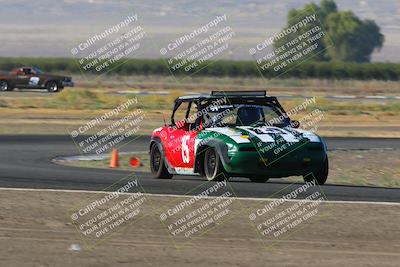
(35, 230)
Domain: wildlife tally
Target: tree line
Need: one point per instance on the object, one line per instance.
(309, 69)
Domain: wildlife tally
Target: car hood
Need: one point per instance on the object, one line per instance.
(266, 134)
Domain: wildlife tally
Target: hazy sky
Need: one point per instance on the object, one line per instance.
(53, 27)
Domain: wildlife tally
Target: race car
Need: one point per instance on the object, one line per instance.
(33, 78)
(236, 134)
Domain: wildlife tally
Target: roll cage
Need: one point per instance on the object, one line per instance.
(203, 102)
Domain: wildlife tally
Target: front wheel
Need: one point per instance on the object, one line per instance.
(321, 175)
(213, 168)
(157, 164)
(52, 87)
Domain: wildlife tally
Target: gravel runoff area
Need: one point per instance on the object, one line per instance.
(36, 229)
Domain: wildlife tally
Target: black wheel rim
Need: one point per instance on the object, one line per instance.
(53, 87)
(211, 163)
(3, 86)
(155, 160)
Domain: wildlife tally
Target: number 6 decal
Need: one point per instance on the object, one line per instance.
(185, 149)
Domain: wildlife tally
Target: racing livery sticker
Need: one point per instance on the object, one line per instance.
(34, 81)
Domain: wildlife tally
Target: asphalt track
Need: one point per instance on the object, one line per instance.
(26, 162)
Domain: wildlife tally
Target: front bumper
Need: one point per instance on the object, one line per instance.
(299, 159)
(68, 84)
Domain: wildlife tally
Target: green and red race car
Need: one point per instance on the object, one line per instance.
(236, 134)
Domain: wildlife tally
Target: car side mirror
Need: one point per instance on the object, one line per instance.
(295, 124)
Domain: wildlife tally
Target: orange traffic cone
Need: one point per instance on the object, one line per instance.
(114, 163)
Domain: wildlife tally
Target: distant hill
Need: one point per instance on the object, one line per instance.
(53, 27)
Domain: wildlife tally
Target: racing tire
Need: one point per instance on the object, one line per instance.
(157, 164)
(320, 176)
(213, 168)
(52, 87)
(259, 180)
(5, 86)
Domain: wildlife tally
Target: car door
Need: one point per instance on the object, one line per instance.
(183, 150)
(32, 78)
(27, 78)
(182, 138)
(21, 79)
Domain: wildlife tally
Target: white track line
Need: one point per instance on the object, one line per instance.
(183, 196)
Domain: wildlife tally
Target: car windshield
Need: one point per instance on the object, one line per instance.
(37, 70)
(245, 115)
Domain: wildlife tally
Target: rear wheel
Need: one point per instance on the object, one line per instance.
(52, 87)
(157, 164)
(213, 168)
(4, 86)
(320, 176)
